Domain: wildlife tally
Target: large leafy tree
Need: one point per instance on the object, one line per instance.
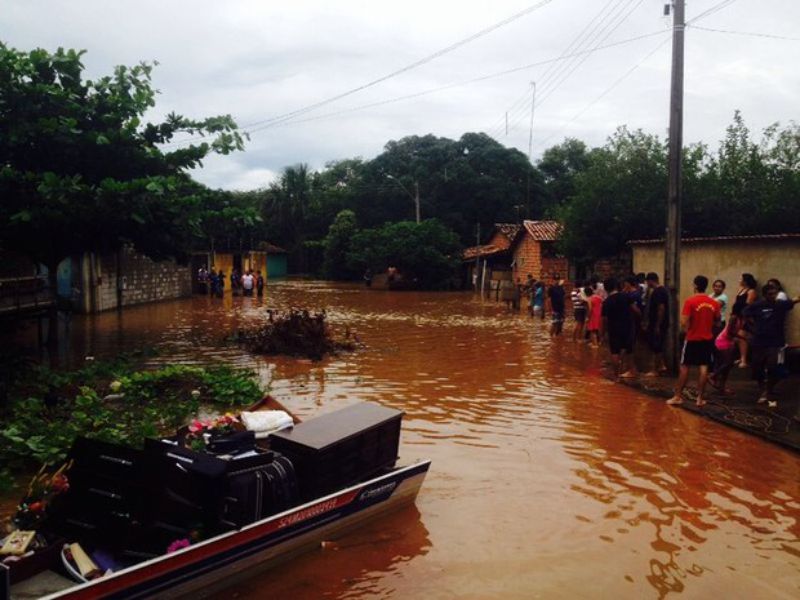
(80, 170)
(560, 165)
(618, 197)
(428, 252)
(619, 192)
(337, 244)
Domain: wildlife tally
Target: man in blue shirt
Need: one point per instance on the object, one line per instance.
(769, 340)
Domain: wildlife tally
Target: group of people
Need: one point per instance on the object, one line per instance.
(719, 332)
(213, 282)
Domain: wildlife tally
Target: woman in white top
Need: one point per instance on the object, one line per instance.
(782, 295)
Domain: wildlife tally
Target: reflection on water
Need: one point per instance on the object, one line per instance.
(547, 479)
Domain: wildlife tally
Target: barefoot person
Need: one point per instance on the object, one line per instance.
(594, 316)
(618, 313)
(769, 339)
(746, 295)
(698, 318)
(657, 323)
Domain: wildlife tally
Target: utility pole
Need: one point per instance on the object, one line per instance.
(416, 198)
(530, 135)
(506, 123)
(672, 247)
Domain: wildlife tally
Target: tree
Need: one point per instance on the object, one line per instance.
(81, 171)
(338, 244)
(620, 196)
(427, 252)
(560, 165)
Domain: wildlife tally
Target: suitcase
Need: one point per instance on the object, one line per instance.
(256, 491)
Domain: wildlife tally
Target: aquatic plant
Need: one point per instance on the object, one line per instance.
(48, 409)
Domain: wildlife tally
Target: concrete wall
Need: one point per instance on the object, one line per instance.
(141, 279)
(727, 260)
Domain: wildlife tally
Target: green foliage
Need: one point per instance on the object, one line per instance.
(619, 190)
(338, 243)
(560, 165)
(461, 183)
(50, 409)
(615, 197)
(79, 167)
(428, 252)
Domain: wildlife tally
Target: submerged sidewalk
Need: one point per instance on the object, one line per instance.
(778, 425)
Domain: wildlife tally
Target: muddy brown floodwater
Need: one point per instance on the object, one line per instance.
(547, 479)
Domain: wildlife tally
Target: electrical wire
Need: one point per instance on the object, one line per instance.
(710, 11)
(519, 109)
(525, 97)
(748, 33)
(605, 92)
(613, 27)
(397, 72)
(602, 30)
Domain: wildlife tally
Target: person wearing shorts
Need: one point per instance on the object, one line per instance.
(769, 339)
(579, 308)
(699, 316)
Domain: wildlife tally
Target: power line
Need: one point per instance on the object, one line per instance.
(519, 108)
(601, 27)
(402, 70)
(711, 11)
(525, 97)
(518, 111)
(605, 30)
(614, 26)
(748, 33)
(608, 89)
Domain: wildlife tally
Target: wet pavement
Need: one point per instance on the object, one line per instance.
(548, 480)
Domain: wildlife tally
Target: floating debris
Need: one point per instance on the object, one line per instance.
(295, 333)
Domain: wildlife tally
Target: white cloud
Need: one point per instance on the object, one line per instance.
(256, 60)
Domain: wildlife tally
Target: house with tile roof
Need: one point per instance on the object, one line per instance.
(494, 254)
(534, 251)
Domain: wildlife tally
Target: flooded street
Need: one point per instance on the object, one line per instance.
(547, 479)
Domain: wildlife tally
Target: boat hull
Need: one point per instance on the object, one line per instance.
(218, 562)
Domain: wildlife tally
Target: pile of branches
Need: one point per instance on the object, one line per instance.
(295, 333)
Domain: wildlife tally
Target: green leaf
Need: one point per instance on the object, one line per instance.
(102, 140)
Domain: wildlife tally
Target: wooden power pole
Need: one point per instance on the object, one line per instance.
(672, 249)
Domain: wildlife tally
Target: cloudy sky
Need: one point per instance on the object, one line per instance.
(262, 60)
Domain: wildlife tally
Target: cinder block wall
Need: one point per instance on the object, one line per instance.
(144, 280)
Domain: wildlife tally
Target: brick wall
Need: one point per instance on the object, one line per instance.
(144, 280)
(527, 259)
